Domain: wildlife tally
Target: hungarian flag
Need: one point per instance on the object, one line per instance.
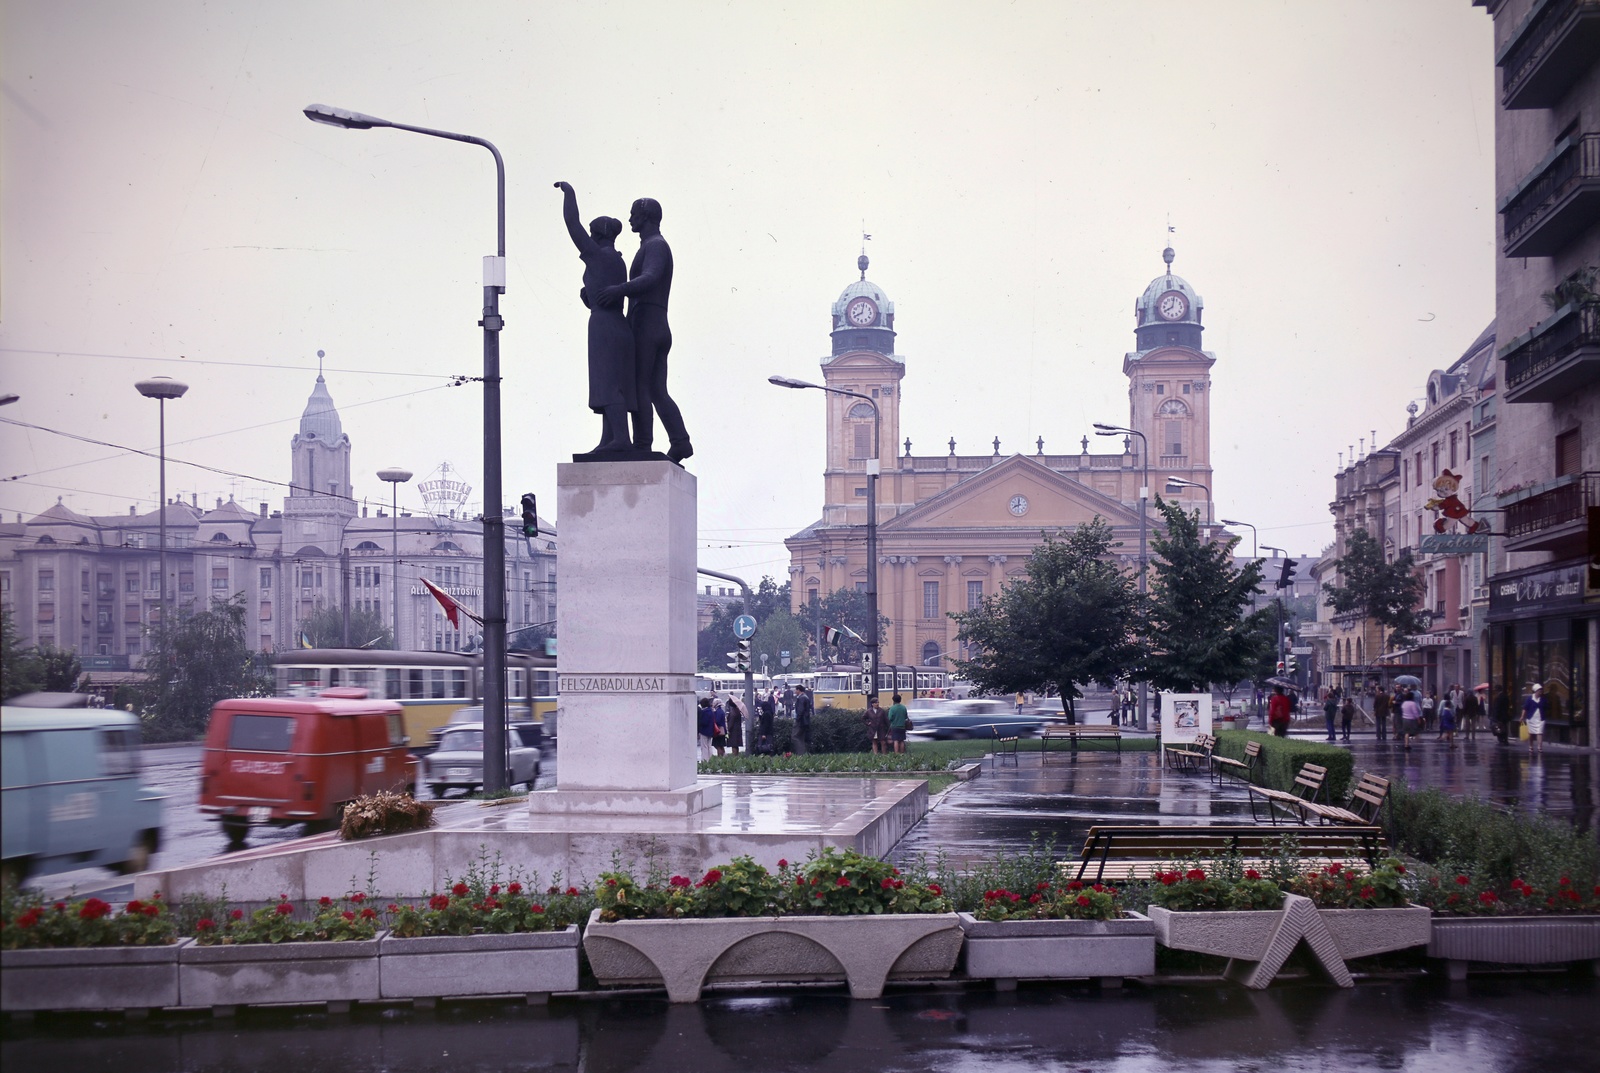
(452, 610)
(831, 636)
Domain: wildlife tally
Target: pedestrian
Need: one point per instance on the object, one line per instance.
(788, 700)
(1447, 721)
(1471, 709)
(735, 711)
(1330, 708)
(1278, 712)
(802, 719)
(1430, 706)
(719, 726)
(1533, 710)
(705, 727)
(766, 711)
(1380, 713)
(1410, 718)
(1456, 696)
(877, 721)
(1500, 716)
(899, 723)
(1347, 715)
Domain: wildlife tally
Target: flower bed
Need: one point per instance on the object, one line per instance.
(1518, 924)
(86, 955)
(1063, 931)
(447, 966)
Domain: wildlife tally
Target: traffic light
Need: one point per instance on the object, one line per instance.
(1280, 668)
(740, 658)
(1294, 666)
(530, 515)
(1286, 578)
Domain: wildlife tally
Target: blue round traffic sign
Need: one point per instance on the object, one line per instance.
(744, 627)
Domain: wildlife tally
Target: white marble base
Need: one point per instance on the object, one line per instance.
(559, 802)
(626, 624)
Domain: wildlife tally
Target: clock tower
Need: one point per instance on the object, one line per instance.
(1169, 387)
(862, 360)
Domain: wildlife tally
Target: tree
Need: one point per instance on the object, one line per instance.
(716, 639)
(1197, 609)
(1070, 621)
(1377, 590)
(325, 629)
(843, 609)
(778, 633)
(201, 658)
(31, 669)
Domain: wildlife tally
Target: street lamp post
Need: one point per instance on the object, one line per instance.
(494, 548)
(1278, 599)
(869, 676)
(162, 388)
(1255, 549)
(395, 478)
(1177, 484)
(1144, 527)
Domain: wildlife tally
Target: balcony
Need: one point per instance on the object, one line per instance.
(1560, 197)
(1555, 519)
(1548, 53)
(1556, 358)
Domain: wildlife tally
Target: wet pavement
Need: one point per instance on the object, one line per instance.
(1527, 1024)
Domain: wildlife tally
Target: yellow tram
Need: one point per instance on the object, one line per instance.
(841, 686)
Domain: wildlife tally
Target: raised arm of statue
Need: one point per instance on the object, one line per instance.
(569, 213)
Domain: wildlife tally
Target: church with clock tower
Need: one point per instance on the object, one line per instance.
(953, 528)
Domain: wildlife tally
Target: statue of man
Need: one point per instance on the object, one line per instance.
(647, 289)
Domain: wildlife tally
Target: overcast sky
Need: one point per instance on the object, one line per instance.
(1327, 167)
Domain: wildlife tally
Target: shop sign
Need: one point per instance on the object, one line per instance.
(1454, 543)
(1542, 589)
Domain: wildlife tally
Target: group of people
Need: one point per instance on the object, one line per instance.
(1413, 713)
(887, 727)
(720, 722)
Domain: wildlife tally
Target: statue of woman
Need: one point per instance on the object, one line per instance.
(612, 388)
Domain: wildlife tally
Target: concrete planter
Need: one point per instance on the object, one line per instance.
(1257, 943)
(685, 955)
(249, 974)
(90, 978)
(1012, 950)
(448, 966)
(1535, 940)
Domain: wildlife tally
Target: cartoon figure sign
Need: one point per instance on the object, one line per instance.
(1449, 506)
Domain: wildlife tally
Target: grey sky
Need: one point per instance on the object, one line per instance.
(168, 210)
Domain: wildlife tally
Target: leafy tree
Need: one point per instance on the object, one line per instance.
(1069, 622)
(716, 639)
(841, 609)
(31, 669)
(325, 629)
(1197, 609)
(201, 659)
(1379, 591)
(780, 632)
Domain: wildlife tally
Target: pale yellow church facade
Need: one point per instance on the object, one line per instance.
(954, 528)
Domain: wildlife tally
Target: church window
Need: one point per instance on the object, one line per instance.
(874, 392)
(863, 441)
(861, 586)
(47, 580)
(974, 594)
(861, 493)
(930, 599)
(1161, 389)
(930, 653)
(1186, 389)
(1174, 437)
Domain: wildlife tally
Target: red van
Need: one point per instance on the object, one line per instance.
(284, 760)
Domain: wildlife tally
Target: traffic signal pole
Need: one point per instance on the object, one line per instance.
(749, 672)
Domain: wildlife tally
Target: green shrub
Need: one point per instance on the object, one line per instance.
(1475, 838)
(1282, 758)
(839, 730)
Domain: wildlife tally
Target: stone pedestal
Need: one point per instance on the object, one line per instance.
(626, 627)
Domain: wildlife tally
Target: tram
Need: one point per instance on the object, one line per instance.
(840, 686)
(709, 683)
(430, 686)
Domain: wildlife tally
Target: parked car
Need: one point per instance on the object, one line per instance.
(973, 719)
(458, 761)
(73, 794)
(284, 760)
(516, 715)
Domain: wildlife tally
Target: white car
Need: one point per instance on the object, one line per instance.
(458, 761)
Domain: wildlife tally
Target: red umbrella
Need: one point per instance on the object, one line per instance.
(1481, 687)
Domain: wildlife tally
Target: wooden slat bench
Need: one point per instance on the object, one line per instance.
(1138, 852)
(1298, 801)
(1366, 803)
(1189, 757)
(1005, 743)
(1240, 769)
(1075, 732)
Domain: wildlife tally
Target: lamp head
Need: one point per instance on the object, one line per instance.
(342, 117)
(162, 387)
(394, 475)
(789, 381)
(1230, 521)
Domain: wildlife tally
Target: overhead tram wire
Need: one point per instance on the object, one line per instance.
(210, 361)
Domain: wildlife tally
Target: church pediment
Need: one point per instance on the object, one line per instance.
(1019, 493)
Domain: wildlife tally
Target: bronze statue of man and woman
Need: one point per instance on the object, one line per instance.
(627, 353)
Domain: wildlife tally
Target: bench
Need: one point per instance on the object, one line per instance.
(1075, 732)
(1366, 803)
(1189, 757)
(1005, 742)
(1299, 801)
(1138, 852)
(1240, 769)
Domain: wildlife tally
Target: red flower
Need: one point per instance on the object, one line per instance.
(460, 889)
(1083, 900)
(1195, 874)
(1335, 868)
(237, 914)
(557, 890)
(151, 910)
(679, 881)
(1463, 880)
(31, 917)
(1400, 868)
(94, 909)
(611, 882)
(515, 888)
(135, 906)
(711, 877)
(1167, 878)
(1075, 885)
(494, 888)
(393, 908)
(1487, 897)
(842, 881)
(1041, 885)
(1034, 899)
(325, 901)
(283, 909)
(800, 881)
(1565, 881)
(61, 907)
(888, 883)
(348, 915)
(783, 862)
(938, 891)
(894, 871)
(1367, 892)
(205, 924)
(358, 897)
(439, 901)
(572, 892)
(1251, 873)
(368, 913)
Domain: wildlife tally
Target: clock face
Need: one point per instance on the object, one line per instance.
(862, 313)
(1172, 306)
(1019, 505)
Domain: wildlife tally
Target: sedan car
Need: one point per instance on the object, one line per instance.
(973, 719)
(458, 761)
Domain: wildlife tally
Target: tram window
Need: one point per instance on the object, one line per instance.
(437, 690)
(458, 683)
(391, 683)
(545, 685)
(333, 677)
(415, 688)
